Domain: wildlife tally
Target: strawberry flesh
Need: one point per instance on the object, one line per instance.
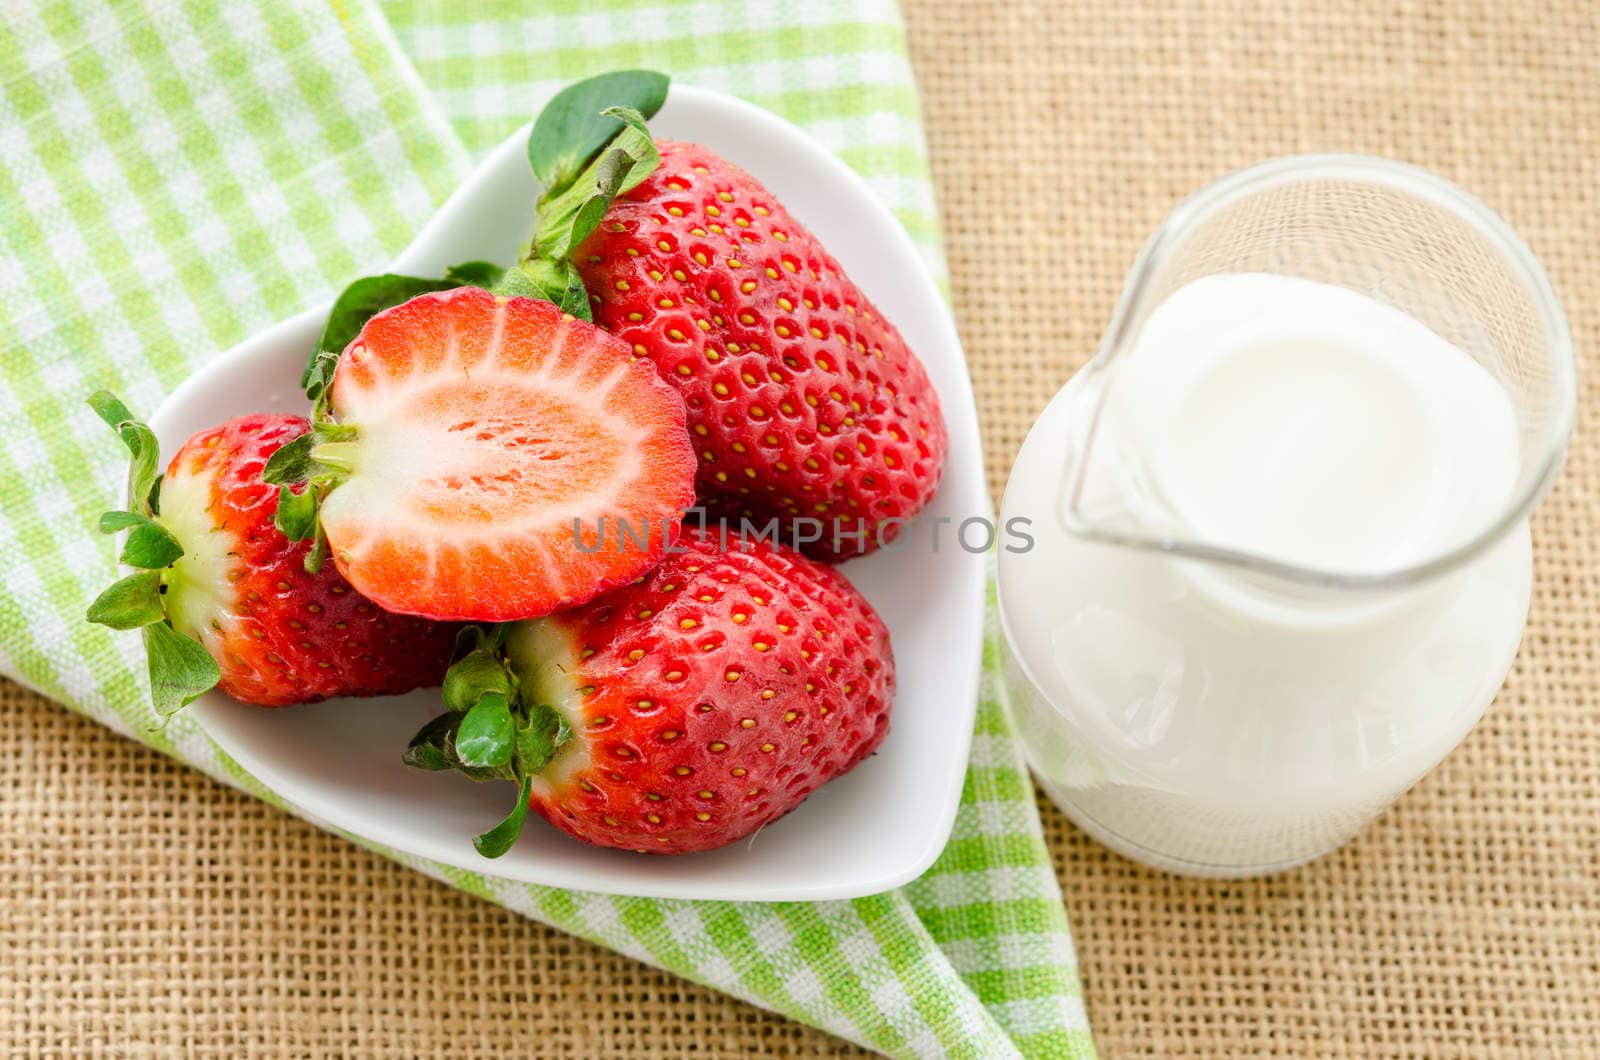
(497, 438)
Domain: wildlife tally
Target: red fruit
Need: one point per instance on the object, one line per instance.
(803, 399)
(279, 634)
(485, 430)
(704, 701)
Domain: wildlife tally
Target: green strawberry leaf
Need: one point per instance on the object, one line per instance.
(477, 674)
(487, 735)
(518, 282)
(181, 669)
(572, 208)
(319, 552)
(111, 522)
(539, 738)
(318, 377)
(133, 602)
(568, 216)
(316, 459)
(471, 637)
(110, 408)
(297, 513)
(432, 748)
(150, 546)
(358, 303)
(486, 732)
(143, 471)
(291, 463)
(497, 840)
(483, 274)
(550, 281)
(479, 670)
(575, 124)
(364, 299)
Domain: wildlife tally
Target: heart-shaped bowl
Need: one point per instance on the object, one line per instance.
(878, 827)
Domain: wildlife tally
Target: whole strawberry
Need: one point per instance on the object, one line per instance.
(224, 598)
(804, 402)
(679, 713)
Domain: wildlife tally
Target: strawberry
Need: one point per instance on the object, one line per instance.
(489, 458)
(804, 401)
(225, 598)
(679, 713)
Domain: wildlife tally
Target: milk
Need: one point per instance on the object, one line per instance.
(1213, 719)
(1308, 423)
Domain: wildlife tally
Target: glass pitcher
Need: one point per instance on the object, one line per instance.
(1272, 582)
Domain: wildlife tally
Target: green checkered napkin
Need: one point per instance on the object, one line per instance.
(177, 175)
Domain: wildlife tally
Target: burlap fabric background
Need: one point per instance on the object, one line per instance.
(145, 910)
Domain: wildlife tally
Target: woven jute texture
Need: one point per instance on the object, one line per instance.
(145, 910)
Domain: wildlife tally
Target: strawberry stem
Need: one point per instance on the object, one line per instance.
(340, 456)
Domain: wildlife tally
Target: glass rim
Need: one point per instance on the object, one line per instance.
(1401, 176)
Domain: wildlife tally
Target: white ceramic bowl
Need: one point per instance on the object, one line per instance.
(878, 827)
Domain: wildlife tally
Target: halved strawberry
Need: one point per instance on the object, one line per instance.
(491, 458)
